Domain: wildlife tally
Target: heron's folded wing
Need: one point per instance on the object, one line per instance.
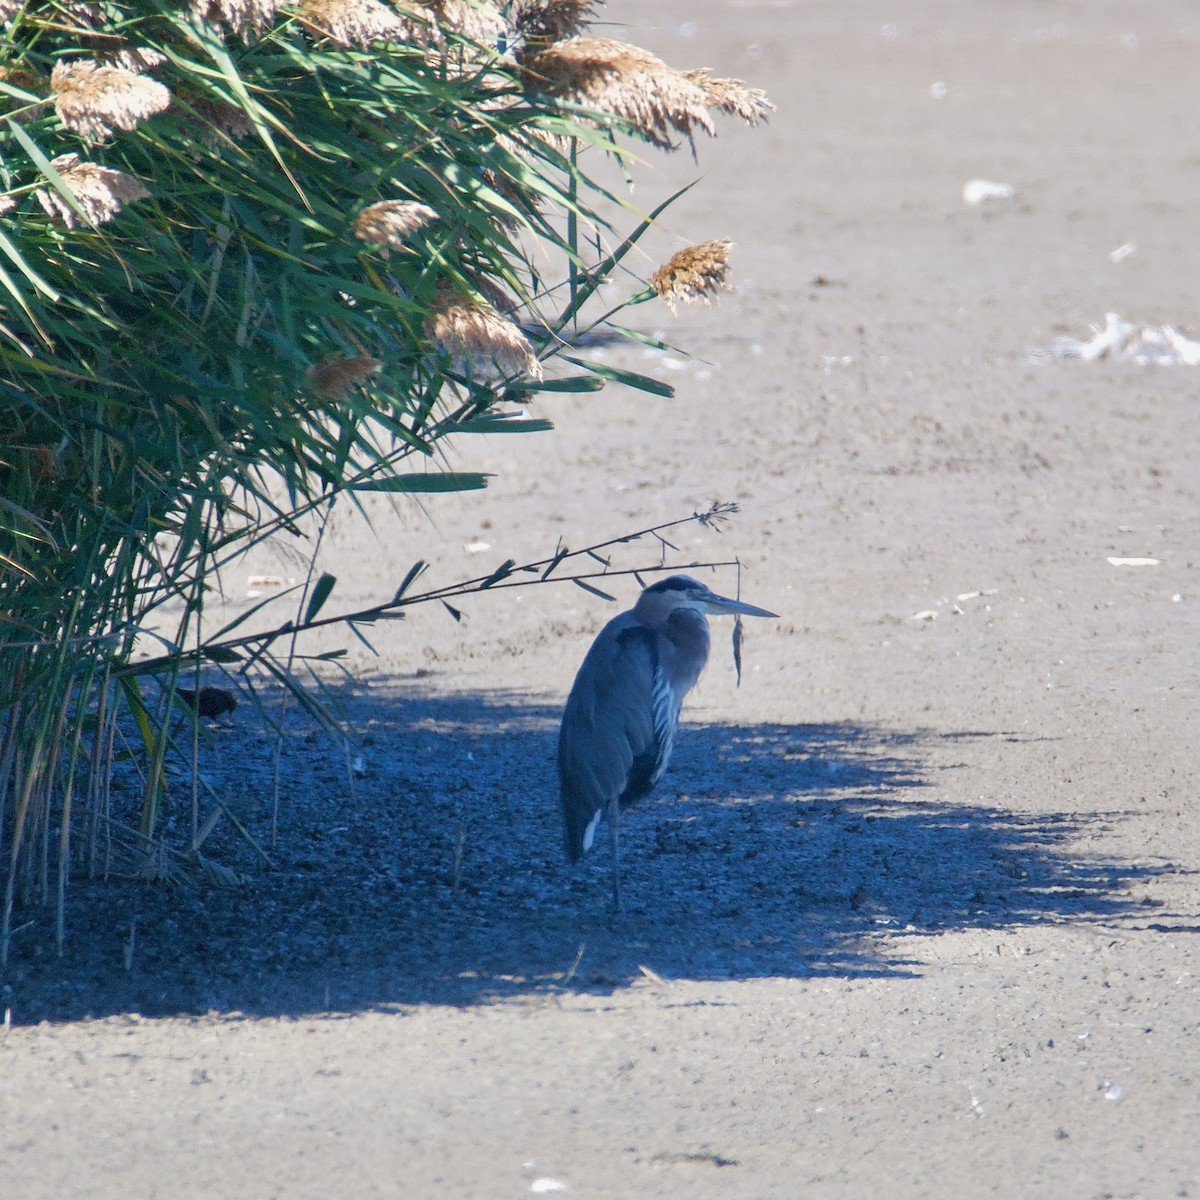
(612, 743)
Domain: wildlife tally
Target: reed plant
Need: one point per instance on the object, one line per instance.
(253, 257)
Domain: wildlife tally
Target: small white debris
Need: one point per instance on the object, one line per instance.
(1187, 349)
(1133, 562)
(830, 361)
(1114, 1092)
(937, 91)
(976, 191)
(546, 1184)
(261, 581)
(926, 614)
(477, 547)
(1175, 599)
(1161, 345)
(359, 766)
(964, 596)
(1110, 339)
(1123, 251)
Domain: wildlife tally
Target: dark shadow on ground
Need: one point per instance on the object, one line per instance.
(772, 850)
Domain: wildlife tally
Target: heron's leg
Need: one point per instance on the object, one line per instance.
(614, 829)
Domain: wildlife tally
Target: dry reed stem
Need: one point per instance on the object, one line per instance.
(624, 81)
(355, 22)
(101, 191)
(93, 100)
(392, 222)
(694, 273)
(476, 337)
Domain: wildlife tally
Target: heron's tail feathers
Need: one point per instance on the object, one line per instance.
(580, 821)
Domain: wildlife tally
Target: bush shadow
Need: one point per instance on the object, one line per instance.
(437, 876)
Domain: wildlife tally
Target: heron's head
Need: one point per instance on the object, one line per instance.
(661, 599)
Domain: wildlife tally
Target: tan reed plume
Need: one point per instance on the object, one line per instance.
(355, 22)
(694, 273)
(543, 22)
(392, 222)
(476, 337)
(243, 17)
(624, 81)
(481, 21)
(732, 96)
(101, 191)
(93, 100)
(335, 375)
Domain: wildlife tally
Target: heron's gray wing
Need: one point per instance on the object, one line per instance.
(618, 729)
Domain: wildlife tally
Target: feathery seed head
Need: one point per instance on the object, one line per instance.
(479, 21)
(694, 273)
(335, 375)
(355, 22)
(543, 22)
(101, 191)
(624, 81)
(29, 81)
(136, 59)
(222, 121)
(477, 339)
(242, 17)
(392, 222)
(93, 100)
(732, 96)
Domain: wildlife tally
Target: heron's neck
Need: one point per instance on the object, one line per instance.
(686, 633)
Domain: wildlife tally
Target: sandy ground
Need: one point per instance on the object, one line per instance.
(913, 914)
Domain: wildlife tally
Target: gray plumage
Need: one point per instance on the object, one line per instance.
(621, 718)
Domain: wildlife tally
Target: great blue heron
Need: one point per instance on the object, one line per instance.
(619, 726)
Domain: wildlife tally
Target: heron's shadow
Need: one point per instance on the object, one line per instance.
(438, 876)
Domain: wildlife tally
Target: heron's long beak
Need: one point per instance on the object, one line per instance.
(719, 605)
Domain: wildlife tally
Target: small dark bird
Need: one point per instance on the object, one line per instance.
(619, 726)
(209, 702)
